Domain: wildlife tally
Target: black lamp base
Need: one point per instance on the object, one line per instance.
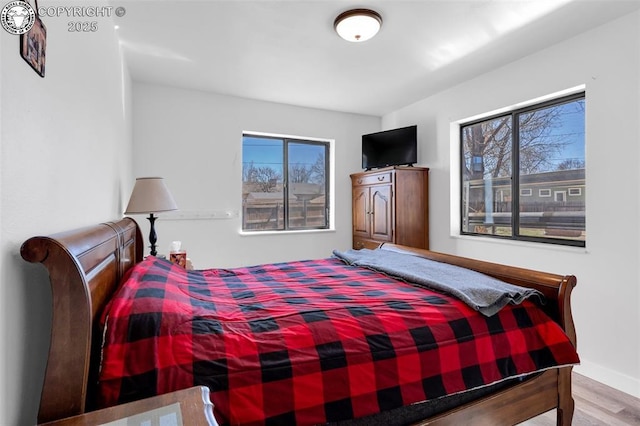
(152, 234)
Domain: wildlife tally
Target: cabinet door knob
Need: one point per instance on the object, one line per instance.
(359, 181)
(380, 178)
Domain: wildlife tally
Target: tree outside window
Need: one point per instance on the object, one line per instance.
(518, 170)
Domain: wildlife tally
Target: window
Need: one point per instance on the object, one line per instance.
(526, 161)
(285, 183)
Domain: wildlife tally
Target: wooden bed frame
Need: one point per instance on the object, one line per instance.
(85, 266)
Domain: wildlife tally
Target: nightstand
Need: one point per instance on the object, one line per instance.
(185, 407)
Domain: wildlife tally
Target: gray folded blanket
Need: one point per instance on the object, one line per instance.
(481, 292)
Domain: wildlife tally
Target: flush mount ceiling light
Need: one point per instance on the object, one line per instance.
(358, 25)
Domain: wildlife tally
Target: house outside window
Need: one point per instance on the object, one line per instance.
(285, 183)
(536, 154)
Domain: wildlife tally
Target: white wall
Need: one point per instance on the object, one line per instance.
(607, 299)
(194, 140)
(65, 162)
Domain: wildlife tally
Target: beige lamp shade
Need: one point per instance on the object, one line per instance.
(150, 195)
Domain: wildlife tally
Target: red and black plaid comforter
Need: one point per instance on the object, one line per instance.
(310, 342)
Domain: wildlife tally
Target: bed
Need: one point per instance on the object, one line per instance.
(86, 267)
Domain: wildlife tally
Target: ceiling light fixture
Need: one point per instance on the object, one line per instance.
(358, 25)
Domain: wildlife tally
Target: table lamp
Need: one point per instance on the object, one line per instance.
(150, 195)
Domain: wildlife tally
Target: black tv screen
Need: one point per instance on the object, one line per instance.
(395, 147)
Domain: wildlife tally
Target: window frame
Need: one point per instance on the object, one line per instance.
(286, 140)
(515, 174)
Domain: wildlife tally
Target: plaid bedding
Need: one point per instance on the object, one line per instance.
(309, 342)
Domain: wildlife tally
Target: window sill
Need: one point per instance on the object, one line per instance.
(290, 232)
(527, 244)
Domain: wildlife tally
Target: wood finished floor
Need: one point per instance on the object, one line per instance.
(596, 404)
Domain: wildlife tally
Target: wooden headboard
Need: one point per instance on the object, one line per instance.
(85, 266)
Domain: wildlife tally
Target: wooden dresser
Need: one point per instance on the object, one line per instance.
(391, 205)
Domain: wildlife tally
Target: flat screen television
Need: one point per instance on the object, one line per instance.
(395, 147)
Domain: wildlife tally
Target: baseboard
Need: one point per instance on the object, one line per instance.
(615, 379)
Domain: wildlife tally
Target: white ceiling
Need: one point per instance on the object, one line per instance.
(287, 51)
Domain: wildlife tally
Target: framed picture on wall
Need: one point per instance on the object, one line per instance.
(33, 43)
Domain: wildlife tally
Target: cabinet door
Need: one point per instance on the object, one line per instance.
(382, 213)
(360, 209)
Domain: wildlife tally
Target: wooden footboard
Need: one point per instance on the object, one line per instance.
(513, 405)
(86, 265)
